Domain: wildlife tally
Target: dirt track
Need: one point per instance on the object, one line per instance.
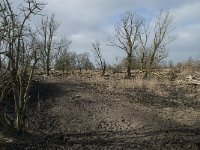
(74, 114)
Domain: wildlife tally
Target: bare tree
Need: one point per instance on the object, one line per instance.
(79, 62)
(83, 61)
(21, 58)
(98, 56)
(161, 38)
(126, 36)
(144, 34)
(63, 56)
(86, 63)
(48, 30)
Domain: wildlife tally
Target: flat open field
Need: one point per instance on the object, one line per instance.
(87, 111)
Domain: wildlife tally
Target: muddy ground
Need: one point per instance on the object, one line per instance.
(93, 112)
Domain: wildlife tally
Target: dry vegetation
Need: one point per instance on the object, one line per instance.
(91, 111)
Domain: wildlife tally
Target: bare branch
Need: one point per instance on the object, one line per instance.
(99, 58)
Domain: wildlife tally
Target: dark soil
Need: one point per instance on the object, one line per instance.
(72, 113)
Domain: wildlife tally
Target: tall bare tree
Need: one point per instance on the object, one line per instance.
(49, 27)
(161, 38)
(126, 36)
(63, 56)
(99, 57)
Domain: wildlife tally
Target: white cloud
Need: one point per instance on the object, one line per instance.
(187, 39)
(187, 43)
(84, 21)
(188, 13)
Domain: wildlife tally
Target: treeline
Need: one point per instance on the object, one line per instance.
(68, 62)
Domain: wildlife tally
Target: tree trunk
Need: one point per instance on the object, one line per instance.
(103, 69)
(142, 62)
(48, 67)
(0, 63)
(149, 66)
(146, 74)
(18, 122)
(129, 61)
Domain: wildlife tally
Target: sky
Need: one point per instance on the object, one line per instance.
(84, 21)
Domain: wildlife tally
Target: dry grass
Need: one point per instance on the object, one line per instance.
(158, 83)
(150, 84)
